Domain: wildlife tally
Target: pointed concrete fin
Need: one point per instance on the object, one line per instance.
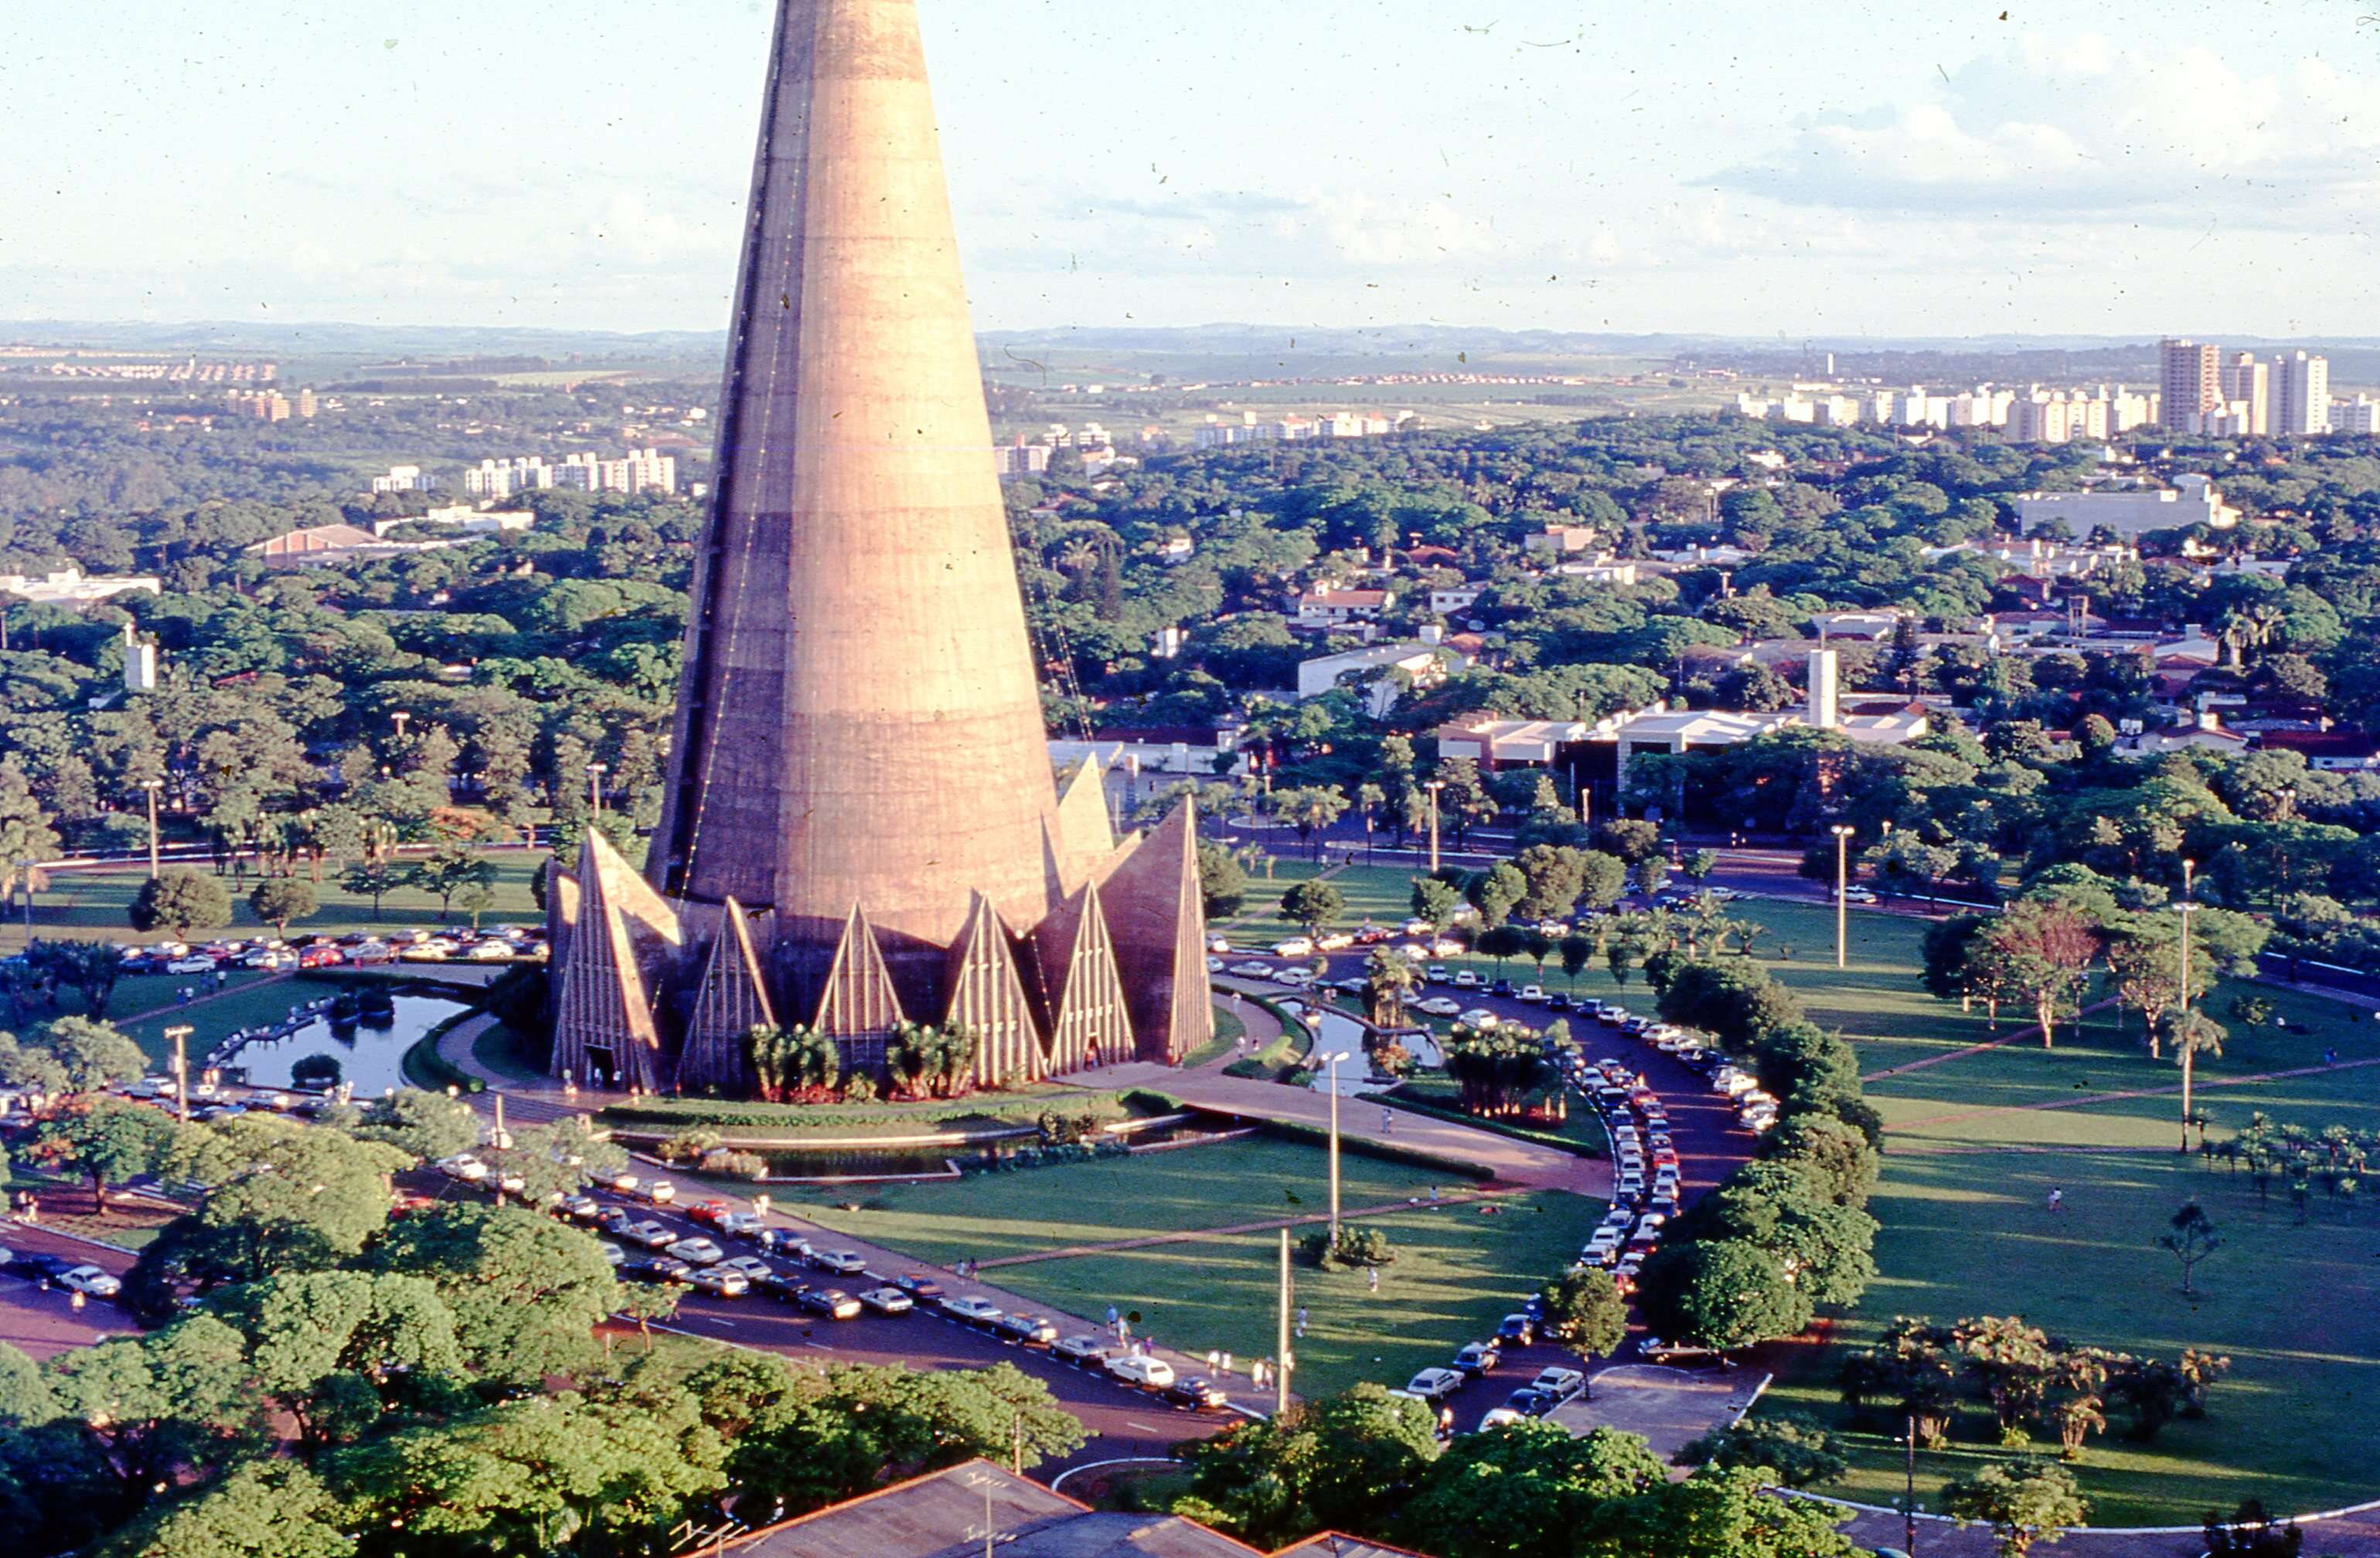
(1090, 1023)
(562, 907)
(988, 998)
(732, 1001)
(604, 1008)
(859, 998)
(1084, 836)
(647, 915)
(1156, 911)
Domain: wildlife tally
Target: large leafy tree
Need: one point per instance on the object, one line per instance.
(430, 1126)
(334, 1349)
(2024, 1502)
(1721, 1293)
(181, 900)
(524, 1291)
(1333, 1463)
(94, 1054)
(106, 1141)
(1530, 1489)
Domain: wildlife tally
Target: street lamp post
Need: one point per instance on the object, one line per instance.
(595, 788)
(1842, 833)
(2181, 1034)
(180, 1034)
(398, 718)
(1331, 1064)
(152, 785)
(1433, 786)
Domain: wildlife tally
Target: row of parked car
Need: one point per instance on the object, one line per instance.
(644, 1249)
(62, 1271)
(498, 945)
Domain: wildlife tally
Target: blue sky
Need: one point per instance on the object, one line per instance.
(1918, 168)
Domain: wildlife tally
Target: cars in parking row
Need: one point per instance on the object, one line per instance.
(61, 1272)
(497, 944)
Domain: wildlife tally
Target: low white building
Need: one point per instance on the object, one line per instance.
(68, 587)
(1375, 671)
(2191, 500)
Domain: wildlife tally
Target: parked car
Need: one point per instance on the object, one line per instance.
(1294, 946)
(783, 1287)
(1435, 1384)
(1146, 1373)
(1026, 1330)
(650, 1234)
(831, 1302)
(1531, 1402)
(88, 1280)
(706, 1213)
(1477, 1358)
(887, 1300)
(463, 1166)
(741, 1224)
(1464, 979)
(1559, 1382)
(751, 1266)
(924, 1289)
(657, 1268)
(971, 1310)
(1253, 971)
(783, 1241)
(1436, 973)
(697, 1251)
(1517, 1329)
(1083, 1352)
(1439, 1006)
(843, 1263)
(613, 1253)
(1198, 1393)
(718, 1281)
(660, 1192)
(1501, 987)
(1479, 1017)
(191, 965)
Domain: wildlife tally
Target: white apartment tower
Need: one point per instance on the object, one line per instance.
(2300, 395)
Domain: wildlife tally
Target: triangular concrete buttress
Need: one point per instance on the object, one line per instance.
(988, 999)
(859, 1005)
(731, 1001)
(1157, 913)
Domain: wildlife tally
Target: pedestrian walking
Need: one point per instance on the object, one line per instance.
(2056, 1198)
(1224, 1368)
(1257, 1373)
(1111, 1317)
(1301, 1320)
(1388, 1121)
(1214, 1361)
(75, 1299)
(1372, 1278)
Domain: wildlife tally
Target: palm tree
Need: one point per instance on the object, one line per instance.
(1388, 978)
(909, 1055)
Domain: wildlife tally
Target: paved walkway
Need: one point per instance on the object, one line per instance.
(1668, 1407)
(1511, 1162)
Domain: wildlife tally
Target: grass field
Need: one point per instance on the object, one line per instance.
(1977, 1140)
(1456, 1275)
(92, 904)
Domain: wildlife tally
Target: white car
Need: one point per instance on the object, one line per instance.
(1295, 947)
(972, 1311)
(843, 1263)
(1149, 1374)
(1465, 979)
(463, 1166)
(1436, 973)
(1219, 943)
(888, 1301)
(191, 965)
(613, 1253)
(1297, 979)
(1559, 1383)
(90, 1280)
(1497, 1417)
(1859, 895)
(490, 952)
(660, 1192)
(1435, 1384)
(625, 1183)
(751, 1266)
(1214, 965)
(1253, 970)
(1479, 1017)
(1438, 1006)
(697, 1252)
(1531, 993)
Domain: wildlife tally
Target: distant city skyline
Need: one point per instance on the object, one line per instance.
(2179, 169)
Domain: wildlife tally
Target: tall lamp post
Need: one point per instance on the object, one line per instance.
(595, 788)
(1330, 1082)
(2181, 1034)
(1842, 833)
(1433, 786)
(152, 785)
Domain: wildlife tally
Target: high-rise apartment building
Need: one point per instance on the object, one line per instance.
(2300, 395)
(2247, 383)
(2190, 380)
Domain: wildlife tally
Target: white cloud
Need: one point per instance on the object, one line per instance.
(2078, 128)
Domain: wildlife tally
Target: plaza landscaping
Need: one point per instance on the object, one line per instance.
(1976, 1139)
(1457, 1272)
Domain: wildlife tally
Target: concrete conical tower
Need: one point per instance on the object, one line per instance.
(859, 721)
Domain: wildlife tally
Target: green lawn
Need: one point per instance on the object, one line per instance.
(241, 1006)
(1457, 1273)
(1965, 1231)
(986, 1216)
(2293, 1306)
(88, 904)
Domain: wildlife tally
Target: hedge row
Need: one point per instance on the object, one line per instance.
(801, 1119)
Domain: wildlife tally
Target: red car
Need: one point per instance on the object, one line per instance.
(708, 1212)
(319, 957)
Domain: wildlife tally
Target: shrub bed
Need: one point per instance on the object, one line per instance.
(842, 1118)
